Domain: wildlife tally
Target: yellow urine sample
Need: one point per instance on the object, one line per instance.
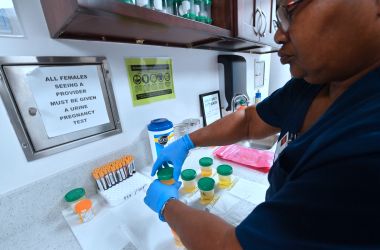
(188, 186)
(206, 187)
(224, 172)
(225, 181)
(206, 171)
(207, 196)
(168, 182)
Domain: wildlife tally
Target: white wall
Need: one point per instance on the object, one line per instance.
(195, 72)
(279, 74)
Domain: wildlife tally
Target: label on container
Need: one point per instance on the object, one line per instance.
(160, 141)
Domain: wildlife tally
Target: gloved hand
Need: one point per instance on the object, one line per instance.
(175, 153)
(158, 194)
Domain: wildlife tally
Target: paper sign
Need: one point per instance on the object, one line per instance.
(150, 79)
(210, 106)
(68, 98)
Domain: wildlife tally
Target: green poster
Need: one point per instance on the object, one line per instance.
(150, 79)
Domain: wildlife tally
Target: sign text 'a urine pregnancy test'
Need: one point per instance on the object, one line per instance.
(69, 98)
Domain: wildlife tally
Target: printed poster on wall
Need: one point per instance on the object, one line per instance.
(68, 98)
(150, 79)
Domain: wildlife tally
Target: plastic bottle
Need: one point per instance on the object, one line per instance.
(208, 5)
(169, 6)
(200, 11)
(186, 9)
(143, 3)
(225, 175)
(257, 97)
(128, 1)
(206, 166)
(160, 135)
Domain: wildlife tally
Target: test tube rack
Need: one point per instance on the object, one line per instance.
(118, 180)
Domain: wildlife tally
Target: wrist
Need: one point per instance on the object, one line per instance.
(162, 210)
(188, 142)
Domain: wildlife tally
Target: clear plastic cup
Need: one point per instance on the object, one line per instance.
(188, 180)
(179, 130)
(192, 124)
(206, 187)
(225, 175)
(206, 166)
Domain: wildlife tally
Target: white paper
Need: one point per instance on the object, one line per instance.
(250, 191)
(142, 226)
(68, 98)
(104, 231)
(211, 108)
(232, 209)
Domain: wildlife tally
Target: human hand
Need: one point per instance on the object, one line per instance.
(158, 194)
(175, 153)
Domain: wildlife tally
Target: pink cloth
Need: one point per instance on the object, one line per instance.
(248, 157)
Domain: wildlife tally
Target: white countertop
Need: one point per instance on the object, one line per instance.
(54, 233)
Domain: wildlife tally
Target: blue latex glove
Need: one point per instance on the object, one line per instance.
(158, 194)
(175, 153)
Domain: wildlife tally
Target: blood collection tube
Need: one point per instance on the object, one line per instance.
(96, 176)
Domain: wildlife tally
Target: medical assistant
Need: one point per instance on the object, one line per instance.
(325, 184)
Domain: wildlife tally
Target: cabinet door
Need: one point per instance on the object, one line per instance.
(248, 20)
(268, 27)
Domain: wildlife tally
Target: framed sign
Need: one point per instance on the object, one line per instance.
(150, 79)
(210, 107)
(57, 103)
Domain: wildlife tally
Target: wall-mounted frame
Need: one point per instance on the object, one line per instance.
(57, 103)
(10, 25)
(210, 107)
(259, 74)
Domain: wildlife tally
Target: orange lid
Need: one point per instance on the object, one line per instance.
(95, 174)
(101, 172)
(83, 206)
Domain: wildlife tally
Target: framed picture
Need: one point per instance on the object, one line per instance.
(58, 103)
(210, 107)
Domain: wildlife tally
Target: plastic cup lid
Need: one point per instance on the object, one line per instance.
(75, 194)
(206, 184)
(188, 174)
(165, 173)
(160, 124)
(224, 170)
(206, 161)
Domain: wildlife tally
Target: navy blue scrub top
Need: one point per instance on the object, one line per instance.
(325, 186)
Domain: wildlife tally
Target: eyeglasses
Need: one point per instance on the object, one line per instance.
(284, 14)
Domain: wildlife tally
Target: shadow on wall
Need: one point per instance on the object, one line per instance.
(279, 74)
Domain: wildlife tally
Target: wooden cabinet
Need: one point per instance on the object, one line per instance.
(112, 20)
(256, 21)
